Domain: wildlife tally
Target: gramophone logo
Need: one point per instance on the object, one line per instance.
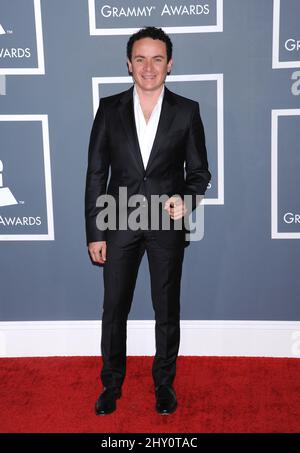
(26, 207)
(6, 196)
(2, 31)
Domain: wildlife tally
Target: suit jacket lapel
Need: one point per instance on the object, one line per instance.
(166, 118)
(126, 110)
(167, 115)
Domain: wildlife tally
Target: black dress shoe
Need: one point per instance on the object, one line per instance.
(106, 403)
(166, 402)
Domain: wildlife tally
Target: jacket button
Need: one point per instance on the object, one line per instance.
(145, 178)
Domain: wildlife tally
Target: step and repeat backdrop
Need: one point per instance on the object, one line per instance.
(240, 59)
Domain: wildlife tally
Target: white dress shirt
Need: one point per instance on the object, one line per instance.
(146, 131)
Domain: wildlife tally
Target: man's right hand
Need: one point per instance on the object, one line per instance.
(97, 251)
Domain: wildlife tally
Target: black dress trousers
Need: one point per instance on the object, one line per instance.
(120, 274)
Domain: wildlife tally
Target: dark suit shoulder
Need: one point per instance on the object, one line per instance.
(182, 100)
(115, 98)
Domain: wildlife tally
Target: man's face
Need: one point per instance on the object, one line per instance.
(148, 64)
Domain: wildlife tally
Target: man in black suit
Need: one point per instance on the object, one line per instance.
(153, 143)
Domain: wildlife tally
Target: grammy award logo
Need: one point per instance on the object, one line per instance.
(6, 197)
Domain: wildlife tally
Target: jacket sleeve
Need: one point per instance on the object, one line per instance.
(97, 175)
(196, 166)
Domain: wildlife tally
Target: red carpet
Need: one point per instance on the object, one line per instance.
(215, 394)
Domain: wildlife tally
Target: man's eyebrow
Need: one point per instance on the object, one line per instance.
(155, 56)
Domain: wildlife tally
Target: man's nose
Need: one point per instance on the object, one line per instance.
(148, 65)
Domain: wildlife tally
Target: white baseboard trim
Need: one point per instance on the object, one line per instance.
(198, 338)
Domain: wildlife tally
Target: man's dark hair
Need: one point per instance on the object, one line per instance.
(150, 32)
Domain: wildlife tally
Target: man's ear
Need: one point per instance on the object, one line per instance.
(169, 66)
(129, 67)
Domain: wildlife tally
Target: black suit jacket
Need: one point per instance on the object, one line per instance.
(177, 163)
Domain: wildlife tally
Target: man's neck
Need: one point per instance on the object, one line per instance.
(149, 97)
